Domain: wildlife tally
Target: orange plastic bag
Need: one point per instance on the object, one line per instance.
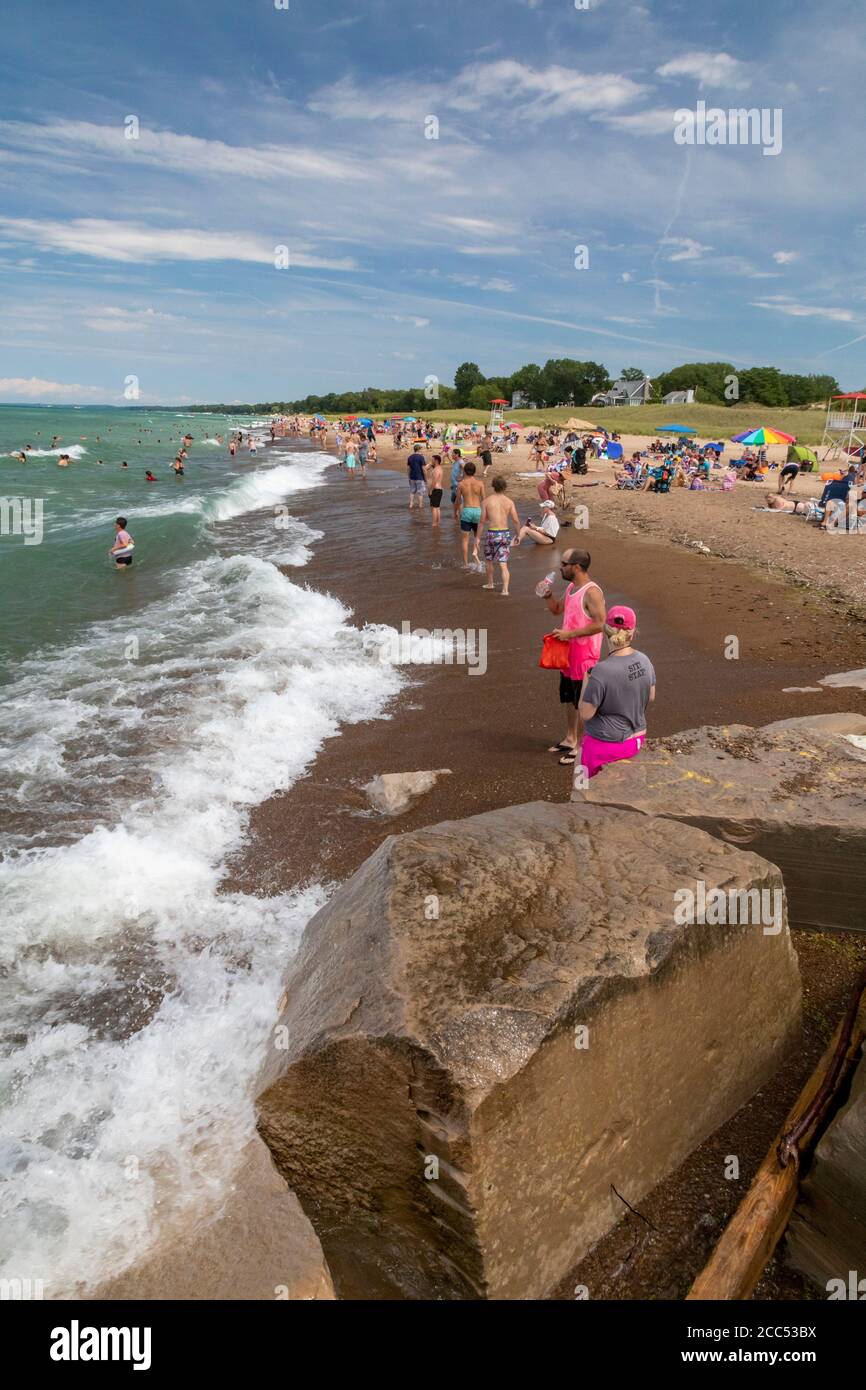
(554, 653)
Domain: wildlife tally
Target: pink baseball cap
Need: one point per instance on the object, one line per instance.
(620, 616)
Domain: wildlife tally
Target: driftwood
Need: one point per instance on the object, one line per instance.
(759, 1222)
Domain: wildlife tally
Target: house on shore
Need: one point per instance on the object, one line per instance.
(625, 393)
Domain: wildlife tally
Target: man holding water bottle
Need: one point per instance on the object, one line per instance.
(583, 609)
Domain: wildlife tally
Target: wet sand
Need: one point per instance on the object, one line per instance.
(493, 730)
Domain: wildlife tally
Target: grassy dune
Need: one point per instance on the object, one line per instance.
(710, 421)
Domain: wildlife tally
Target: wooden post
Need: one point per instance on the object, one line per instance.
(759, 1222)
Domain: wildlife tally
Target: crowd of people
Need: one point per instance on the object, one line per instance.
(605, 697)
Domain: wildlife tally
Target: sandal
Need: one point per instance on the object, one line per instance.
(569, 759)
(560, 748)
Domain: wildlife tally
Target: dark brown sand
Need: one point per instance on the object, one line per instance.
(492, 730)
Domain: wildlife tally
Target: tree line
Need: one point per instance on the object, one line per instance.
(562, 381)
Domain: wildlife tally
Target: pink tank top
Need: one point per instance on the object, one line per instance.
(583, 652)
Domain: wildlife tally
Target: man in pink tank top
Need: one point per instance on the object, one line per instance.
(583, 609)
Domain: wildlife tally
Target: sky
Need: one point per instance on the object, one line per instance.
(251, 200)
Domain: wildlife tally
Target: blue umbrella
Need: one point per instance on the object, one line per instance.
(365, 420)
(675, 429)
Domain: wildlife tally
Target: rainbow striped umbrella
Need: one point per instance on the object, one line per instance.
(764, 436)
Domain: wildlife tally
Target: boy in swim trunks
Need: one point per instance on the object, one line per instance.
(497, 514)
(436, 489)
(470, 500)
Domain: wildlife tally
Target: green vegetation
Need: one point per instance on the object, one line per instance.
(729, 401)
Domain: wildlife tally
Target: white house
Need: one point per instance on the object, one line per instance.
(679, 398)
(625, 393)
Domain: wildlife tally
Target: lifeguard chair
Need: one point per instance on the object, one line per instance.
(845, 426)
(497, 414)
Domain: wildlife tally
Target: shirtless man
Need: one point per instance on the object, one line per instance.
(497, 514)
(470, 500)
(435, 481)
(485, 452)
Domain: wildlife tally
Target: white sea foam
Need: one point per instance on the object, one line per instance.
(75, 451)
(137, 1000)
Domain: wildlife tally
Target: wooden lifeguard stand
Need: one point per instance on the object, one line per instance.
(497, 414)
(845, 426)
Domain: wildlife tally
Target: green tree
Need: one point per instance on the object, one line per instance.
(763, 384)
(467, 376)
(566, 381)
(528, 381)
(479, 398)
(632, 374)
(708, 379)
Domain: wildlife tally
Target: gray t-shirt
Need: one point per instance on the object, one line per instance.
(619, 687)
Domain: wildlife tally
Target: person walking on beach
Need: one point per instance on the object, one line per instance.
(123, 545)
(615, 696)
(436, 490)
(582, 607)
(485, 452)
(497, 514)
(456, 479)
(470, 500)
(417, 466)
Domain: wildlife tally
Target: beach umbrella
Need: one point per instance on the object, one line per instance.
(513, 425)
(363, 419)
(614, 451)
(410, 419)
(675, 429)
(764, 435)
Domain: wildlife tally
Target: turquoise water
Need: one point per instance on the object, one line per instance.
(53, 589)
(142, 714)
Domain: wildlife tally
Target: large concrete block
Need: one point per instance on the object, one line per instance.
(827, 1235)
(450, 1128)
(793, 791)
(258, 1245)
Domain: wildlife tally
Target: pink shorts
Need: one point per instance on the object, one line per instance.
(594, 752)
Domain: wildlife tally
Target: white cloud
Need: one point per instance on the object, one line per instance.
(409, 318)
(496, 283)
(783, 305)
(689, 250)
(626, 276)
(185, 154)
(519, 92)
(785, 257)
(710, 69)
(133, 243)
(657, 120)
(112, 319)
(35, 389)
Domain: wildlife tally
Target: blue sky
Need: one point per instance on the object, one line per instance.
(305, 127)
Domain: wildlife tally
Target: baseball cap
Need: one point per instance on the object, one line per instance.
(620, 616)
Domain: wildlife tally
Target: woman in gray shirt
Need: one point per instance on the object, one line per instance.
(615, 696)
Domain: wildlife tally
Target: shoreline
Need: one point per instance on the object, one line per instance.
(493, 730)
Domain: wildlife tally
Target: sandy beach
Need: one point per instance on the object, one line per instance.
(493, 730)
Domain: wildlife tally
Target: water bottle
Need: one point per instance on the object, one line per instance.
(546, 585)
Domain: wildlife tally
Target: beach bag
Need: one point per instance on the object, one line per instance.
(554, 653)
